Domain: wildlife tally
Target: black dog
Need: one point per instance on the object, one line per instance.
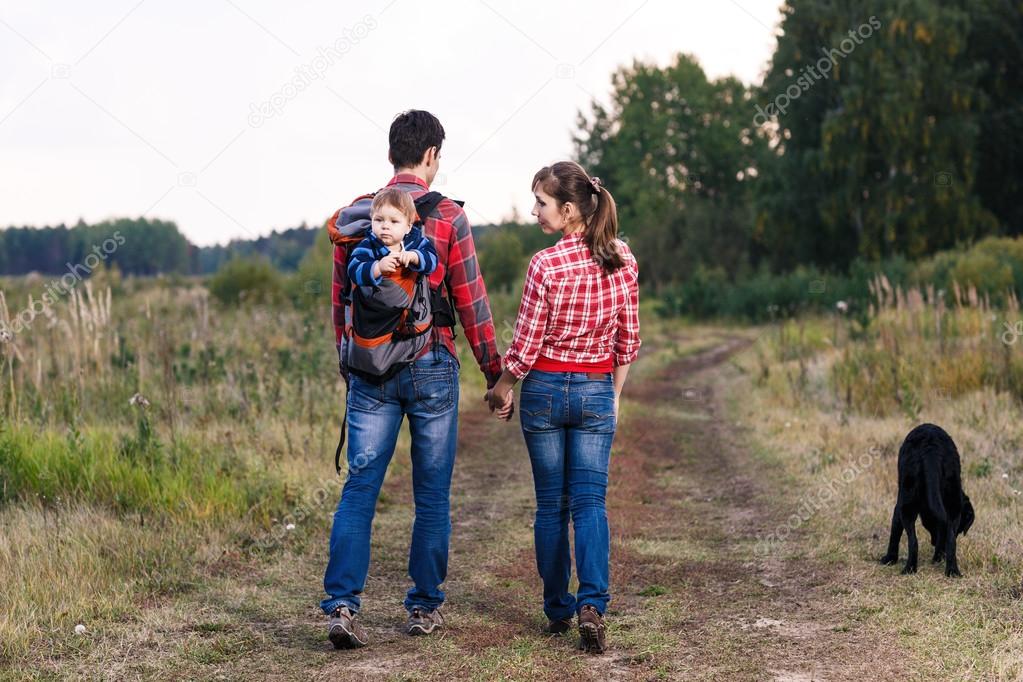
(930, 484)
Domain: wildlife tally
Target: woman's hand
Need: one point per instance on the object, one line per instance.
(617, 397)
(504, 406)
(502, 396)
(506, 411)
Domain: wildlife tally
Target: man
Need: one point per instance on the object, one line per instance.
(425, 391)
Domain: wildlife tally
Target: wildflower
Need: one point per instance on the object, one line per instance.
(6, 336)
(290, 526)
(79, 629)
(139, 400)
(842, 306)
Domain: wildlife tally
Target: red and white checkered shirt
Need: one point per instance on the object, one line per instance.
(574, 312)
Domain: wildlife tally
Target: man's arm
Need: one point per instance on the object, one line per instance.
(469, 296)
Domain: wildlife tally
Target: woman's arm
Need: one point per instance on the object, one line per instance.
(620, 374)
(500, 396)
(531, 322)
(627, 341)
(530, 327)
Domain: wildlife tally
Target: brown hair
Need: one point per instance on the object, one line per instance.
(394, 197)
(566, 181)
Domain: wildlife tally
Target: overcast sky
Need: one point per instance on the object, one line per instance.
(236, 117)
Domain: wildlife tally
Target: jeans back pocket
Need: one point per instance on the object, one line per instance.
(598, 413)
(535, 410)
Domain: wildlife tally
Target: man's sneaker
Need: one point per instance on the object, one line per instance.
(591, 630)
(559, 626)
(344, 631)
(423, 622)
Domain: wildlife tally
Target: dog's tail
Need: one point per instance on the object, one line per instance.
(935, 502)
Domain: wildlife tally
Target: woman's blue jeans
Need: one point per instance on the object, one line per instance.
(568, 422)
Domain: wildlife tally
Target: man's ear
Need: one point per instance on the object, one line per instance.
(430, 156)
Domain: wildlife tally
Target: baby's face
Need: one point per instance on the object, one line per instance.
(390, 225)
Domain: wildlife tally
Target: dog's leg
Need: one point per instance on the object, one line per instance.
(892, 555)
(909, 523)
(938, 540)
(951, 565)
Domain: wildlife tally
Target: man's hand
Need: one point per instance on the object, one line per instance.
(408, 258)
(505, 407)
(388, 264)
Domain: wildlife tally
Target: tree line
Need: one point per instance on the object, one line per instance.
(142, 247)
(881, 130)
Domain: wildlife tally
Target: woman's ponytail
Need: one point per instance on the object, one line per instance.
(602, 230)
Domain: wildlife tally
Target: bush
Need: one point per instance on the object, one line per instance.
(994, 266)
(247, 280)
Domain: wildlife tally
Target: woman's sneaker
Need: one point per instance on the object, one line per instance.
(344, 631)
(592, 630)
(423, 622)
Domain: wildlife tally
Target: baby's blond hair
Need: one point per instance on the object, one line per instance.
(394, 197)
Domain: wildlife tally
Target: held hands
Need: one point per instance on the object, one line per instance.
(503, 406)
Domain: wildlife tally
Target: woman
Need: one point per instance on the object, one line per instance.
(576, 334)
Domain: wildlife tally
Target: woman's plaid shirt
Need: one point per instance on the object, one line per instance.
(572, 311)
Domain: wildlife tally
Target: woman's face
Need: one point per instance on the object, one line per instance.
(552, 217)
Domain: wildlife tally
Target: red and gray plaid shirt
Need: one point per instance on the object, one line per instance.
(449, 230)
(573, 312)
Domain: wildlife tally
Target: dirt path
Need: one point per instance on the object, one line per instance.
(691, 597)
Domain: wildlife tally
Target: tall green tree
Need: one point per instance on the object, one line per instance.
(679, 153)
(879, 155)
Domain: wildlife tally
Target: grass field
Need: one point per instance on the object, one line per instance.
(168, 485)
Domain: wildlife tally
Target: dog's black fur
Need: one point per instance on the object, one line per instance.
(930, 485)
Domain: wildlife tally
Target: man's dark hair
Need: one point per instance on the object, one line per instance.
(412, 133)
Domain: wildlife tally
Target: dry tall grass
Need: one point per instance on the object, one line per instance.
(831, 402)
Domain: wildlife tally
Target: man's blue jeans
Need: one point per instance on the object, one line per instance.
(427, 393)
(568, 422)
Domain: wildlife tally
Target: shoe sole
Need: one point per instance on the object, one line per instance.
(342, 638)
(589, 638)
(420, 630)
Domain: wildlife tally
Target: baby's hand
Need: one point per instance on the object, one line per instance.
(408, 258)
(388, 264)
